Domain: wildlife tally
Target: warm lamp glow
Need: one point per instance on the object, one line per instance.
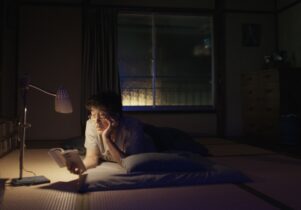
(62, 105)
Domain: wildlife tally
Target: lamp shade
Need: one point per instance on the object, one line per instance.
(62, 101)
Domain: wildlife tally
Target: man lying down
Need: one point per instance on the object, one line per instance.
(112, 139)
(110, 136)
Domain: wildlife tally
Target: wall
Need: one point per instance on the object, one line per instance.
(290, 32)
(250, 5)
(240, 58)
(284, 3)
(158, 3)
(50, 53)
(50, 44)
(8, 57)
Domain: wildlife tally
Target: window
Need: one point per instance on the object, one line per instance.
(165, 62)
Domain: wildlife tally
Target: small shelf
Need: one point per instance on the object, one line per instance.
(8, 136)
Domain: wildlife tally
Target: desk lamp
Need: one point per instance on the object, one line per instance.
(62, 105)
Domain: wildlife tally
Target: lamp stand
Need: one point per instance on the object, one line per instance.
(33, 180)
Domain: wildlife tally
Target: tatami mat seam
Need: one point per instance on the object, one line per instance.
(272, 201)
(82, 201)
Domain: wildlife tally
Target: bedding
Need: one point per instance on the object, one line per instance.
(162, 162)
(172, 139)
(144, 173)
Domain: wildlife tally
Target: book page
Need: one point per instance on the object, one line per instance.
(57, 155)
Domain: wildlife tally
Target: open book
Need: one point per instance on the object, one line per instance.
(61, 156)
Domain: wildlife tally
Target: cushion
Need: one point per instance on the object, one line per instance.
(161, 162)
(112, 176)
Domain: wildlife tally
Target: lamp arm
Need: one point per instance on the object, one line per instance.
(41, 90)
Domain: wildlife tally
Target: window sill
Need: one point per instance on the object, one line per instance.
(204, 109)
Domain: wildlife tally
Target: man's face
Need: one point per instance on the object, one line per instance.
(100, 119)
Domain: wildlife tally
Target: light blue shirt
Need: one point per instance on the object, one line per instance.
(130, 138)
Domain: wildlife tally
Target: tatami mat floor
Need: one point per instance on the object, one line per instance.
(276, 184)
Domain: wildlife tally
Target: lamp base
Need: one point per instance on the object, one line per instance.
(33, 180)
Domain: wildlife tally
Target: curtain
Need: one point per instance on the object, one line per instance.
(99, 69)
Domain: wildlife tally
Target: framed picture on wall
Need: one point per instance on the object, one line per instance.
(251, 35)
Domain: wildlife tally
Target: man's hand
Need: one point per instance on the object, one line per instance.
(107, 131)
(72, 167)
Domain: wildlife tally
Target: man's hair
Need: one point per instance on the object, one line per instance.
(108, 101)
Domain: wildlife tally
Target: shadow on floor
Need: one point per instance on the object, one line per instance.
(71, 186)
(2, 189)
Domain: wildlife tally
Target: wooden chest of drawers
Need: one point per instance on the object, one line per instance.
(261, 103)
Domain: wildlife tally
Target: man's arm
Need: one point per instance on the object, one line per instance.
(116, 154)
(91, 158)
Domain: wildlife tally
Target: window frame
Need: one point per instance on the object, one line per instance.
(180, 108)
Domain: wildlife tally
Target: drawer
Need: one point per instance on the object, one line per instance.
(270, 128)
(251, 114)
(271, 91)
(251, 94)
(271, 103)
(270, 76)
(250, 127)
(250, 79)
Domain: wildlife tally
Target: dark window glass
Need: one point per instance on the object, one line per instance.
(165, 61)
